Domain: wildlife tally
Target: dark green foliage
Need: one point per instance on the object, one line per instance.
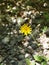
(12, 42)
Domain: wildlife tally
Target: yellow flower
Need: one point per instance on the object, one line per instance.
(26, 29)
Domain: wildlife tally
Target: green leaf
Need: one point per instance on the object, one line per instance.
(38, 58)
(44, 29)
(44, 63)
(47, 59)
(0, 64)
(28, 61)
(33, 63)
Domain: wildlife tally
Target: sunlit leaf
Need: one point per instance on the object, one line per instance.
(44, 63)
(39, 58)
(28, 61)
